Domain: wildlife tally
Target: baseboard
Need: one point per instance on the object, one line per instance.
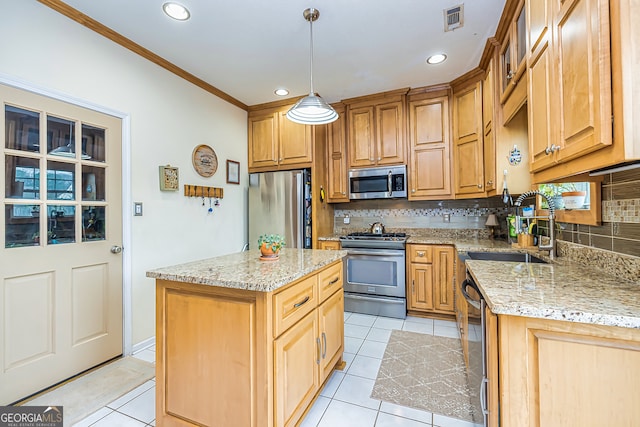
(143, 344)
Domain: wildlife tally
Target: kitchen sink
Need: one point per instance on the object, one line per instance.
(505, 256)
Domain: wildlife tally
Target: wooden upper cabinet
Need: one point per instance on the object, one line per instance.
(376, 130)
(513, 53)
(390, 130)
(467, 142)
(337, 160)
(429, 149)
(275, 141)
(584, 75)
(295, 141)
(540, 91)
(489, 140)
(263, 137)
(569, 71)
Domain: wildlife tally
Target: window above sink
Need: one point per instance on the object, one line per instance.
(577, 201)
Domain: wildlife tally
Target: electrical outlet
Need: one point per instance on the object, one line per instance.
(446, 217)
(346, 220)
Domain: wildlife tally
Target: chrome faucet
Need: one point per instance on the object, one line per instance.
(551, 247)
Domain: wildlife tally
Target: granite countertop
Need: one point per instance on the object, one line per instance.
(244, 270)
(559, 291)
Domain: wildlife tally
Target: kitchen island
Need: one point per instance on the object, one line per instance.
(562, 342)
(245, 342)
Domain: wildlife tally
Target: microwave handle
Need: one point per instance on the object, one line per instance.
(389, 183)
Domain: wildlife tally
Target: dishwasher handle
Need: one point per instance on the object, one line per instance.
(468, 283)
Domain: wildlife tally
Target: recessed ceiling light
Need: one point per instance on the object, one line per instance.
(281, 92)
(436, 59)
(176, 11)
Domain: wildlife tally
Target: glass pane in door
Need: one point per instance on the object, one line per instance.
(93, 179)
(61, 224)
(22, 179)
(22, 129)
(93, 143)
(21, 225)
(60, 181)
(61, 140)
(93, 223)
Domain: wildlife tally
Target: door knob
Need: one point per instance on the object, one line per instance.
(116, 249)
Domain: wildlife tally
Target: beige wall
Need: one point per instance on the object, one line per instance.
(169, 117)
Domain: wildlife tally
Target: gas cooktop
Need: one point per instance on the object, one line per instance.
(375, 236)
(373, 240)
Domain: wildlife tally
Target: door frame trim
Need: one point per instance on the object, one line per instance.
(127, 316)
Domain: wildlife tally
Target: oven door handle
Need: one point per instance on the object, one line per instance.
(376, 253)
(463, 287)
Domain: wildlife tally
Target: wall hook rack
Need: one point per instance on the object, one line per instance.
(203, 191)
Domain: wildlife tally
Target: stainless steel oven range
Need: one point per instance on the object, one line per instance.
(374, 274)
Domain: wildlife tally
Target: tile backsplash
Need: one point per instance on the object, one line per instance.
(401, 214)
(619, 231)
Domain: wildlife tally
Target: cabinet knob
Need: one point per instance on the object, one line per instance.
(421, 254)
(552, 149)
(479, 185)
(344, 194)
(280, 159)
(413, 190)
(490, 182)
(379, 158)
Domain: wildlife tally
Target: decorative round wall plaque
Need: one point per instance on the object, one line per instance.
(205, 160)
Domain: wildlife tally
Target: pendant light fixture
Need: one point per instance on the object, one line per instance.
(312, 109)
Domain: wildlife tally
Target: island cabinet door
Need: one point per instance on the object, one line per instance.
(331, 315)
(297, 353)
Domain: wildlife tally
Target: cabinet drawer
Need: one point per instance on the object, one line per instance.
(329, 281)
(293, 303)
(421, 254)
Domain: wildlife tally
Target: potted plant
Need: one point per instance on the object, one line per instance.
(572, 197)
(270, 245)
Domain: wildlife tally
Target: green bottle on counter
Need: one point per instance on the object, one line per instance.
(511, 221)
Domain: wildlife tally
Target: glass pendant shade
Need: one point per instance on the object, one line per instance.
(312, 109)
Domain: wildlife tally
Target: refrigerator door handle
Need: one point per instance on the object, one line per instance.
(300, 209)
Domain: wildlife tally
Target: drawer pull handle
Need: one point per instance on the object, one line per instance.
(420, 253)
(324, 345)
(334, 281)
(298, 304)
(319, 350)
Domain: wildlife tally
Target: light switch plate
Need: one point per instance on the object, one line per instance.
(137, 208)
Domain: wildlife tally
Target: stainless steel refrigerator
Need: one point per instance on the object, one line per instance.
(280, 203)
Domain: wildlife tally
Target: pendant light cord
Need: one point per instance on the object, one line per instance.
(311, 54)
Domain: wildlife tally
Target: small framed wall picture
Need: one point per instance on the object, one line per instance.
(169, 178)
(233, 172)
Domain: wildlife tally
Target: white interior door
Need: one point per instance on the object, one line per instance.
(60, 282)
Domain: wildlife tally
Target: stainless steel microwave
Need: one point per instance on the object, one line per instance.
(378, 183)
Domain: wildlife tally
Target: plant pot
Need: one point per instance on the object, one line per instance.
(267, 253)
(573, 199)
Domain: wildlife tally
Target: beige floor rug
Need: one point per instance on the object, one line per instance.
(427, 372)
(86, 394)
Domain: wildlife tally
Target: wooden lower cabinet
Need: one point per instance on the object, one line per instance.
(305, 356)
(557, 373)
(332, 245)
(230, 357)
(430, 280)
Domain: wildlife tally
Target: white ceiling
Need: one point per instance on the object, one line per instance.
(248, 48)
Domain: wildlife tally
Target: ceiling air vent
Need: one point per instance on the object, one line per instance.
(454, 17)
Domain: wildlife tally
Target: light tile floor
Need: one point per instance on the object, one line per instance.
(345, 399)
